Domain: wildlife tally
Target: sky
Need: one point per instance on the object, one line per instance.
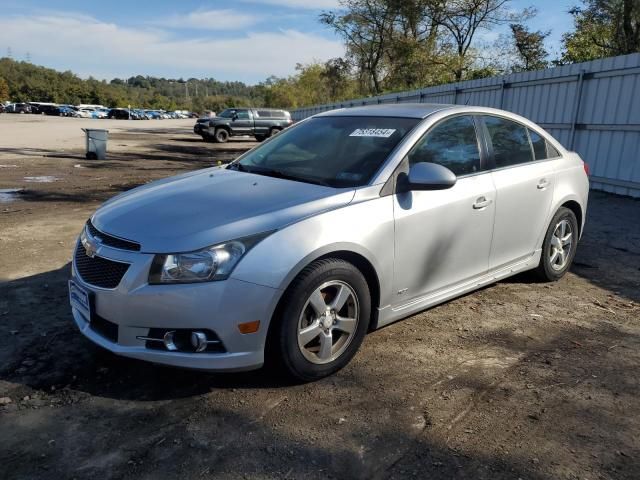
(244, 40)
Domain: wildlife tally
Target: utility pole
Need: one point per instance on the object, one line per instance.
(9, 52)
(186, 90)
(28, 57)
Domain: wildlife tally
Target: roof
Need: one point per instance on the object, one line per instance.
(402, 110)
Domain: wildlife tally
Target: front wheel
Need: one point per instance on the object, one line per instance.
(324, 319)
(221, 135)
(559, 246)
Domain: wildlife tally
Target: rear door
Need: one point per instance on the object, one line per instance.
(443, 237)
(261, 122)
(524, 191)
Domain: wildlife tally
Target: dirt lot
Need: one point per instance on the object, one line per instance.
(519, 380)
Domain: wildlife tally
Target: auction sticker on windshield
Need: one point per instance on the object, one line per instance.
(373, 132)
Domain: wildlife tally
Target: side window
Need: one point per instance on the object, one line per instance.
(541, 148)
(452, 144)
(510, 142)
(539, 145)
(551, 151)
(242, 114)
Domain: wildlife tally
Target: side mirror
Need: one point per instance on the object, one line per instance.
(430, 176)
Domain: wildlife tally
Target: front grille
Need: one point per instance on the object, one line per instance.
(99, 271)
(112, 241)
(104, 328)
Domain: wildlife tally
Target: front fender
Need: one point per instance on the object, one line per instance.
(364, 228)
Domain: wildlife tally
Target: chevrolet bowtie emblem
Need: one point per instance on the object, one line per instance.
(90, 248)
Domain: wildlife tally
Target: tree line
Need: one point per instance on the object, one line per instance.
(391, 45)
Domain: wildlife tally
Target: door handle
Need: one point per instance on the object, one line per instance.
(542, 184)
(482, 202)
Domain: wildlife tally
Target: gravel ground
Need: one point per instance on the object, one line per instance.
(518, 380)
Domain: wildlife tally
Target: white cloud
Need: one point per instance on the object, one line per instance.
(105, 50)
(225, 19)
(300, 4)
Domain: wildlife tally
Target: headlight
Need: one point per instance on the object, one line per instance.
(206, 265)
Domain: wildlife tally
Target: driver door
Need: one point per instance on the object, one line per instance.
(242, 122)
(443, 237)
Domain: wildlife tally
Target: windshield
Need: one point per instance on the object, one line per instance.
(228, 113)
(332, 151)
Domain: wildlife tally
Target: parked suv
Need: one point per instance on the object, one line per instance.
(258, 122)
(18, 108)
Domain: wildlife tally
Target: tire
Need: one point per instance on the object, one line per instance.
(261, 138)
(208, 138)
(274, 131)
(553, 262)
(321, 280)
(221, 135)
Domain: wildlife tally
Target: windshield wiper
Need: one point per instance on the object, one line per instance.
(272, 172)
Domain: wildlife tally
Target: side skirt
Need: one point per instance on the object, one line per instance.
(388, 314)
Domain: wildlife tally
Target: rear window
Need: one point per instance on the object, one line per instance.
(509, 140)
(271, 113)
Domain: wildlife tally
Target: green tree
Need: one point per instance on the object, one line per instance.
(366, 27)
(529, 46)
(462, 19)
(4, 90)
(602, 28)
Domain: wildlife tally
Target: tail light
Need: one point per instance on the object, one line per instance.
(586, 168)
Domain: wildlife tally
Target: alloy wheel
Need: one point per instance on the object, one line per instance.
(328, 322)
(561, 244)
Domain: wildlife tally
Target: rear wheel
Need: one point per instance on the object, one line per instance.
(261, 138)
(274, 131)
(221, 135)
(323, 321)
(559, 246)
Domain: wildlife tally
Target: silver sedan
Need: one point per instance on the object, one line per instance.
(341, 224)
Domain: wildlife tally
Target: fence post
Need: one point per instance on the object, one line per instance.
(576, 109)
(455, 96)
(502, 87)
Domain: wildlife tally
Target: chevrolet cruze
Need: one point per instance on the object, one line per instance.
(339, 225)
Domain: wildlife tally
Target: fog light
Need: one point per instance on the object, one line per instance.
(168, 341)
(199, 341)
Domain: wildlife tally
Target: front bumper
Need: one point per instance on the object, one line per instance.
(200, 129)
(136, 307)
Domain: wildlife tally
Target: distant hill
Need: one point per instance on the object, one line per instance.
(27, 82)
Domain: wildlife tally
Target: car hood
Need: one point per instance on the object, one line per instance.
(202, 208)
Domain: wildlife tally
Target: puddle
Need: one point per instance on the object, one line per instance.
(8, 195)
(41, 179)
